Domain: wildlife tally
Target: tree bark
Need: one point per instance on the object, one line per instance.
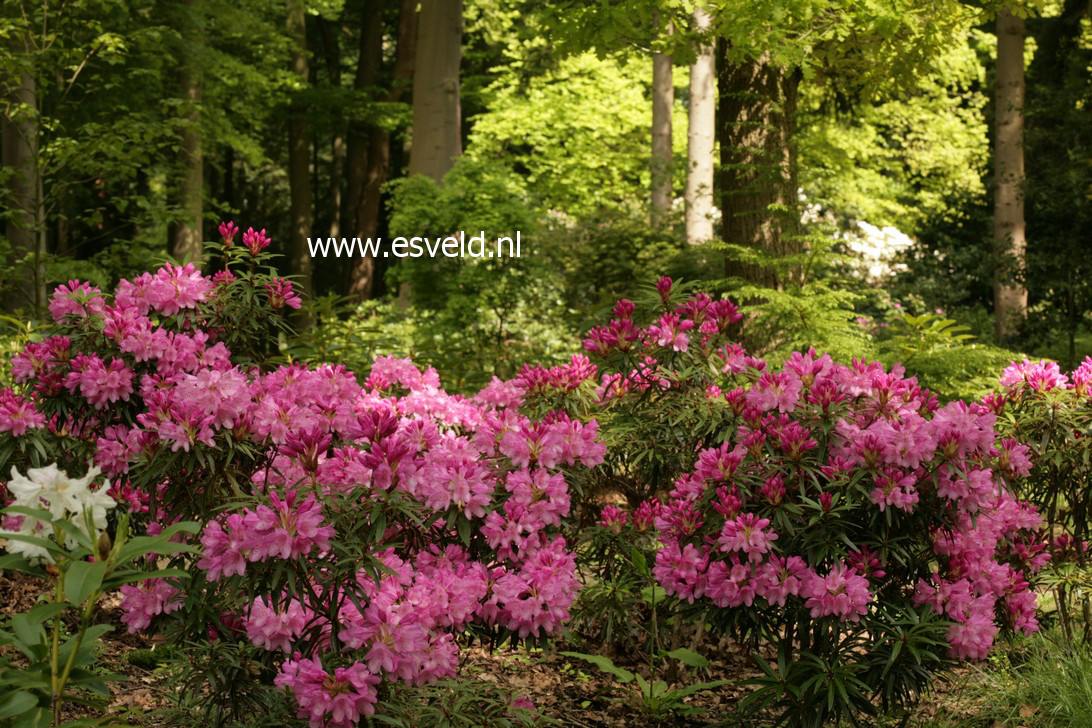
(299, 178)
(701, 137)
(436, 106)
(25, 227)
(758, 190)
(1010, 295)
(362, 274)
(663, 101)
(332, 56)
(185, 236)
(369, 57)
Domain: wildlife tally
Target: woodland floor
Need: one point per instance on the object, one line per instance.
(568, 691)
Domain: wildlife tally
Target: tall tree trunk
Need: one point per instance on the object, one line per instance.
(701, 137)
(758, 191)
(663, 101)
(1010, 296)
(185, 236)
(369, 58)
(436, 106)
(337, 143)
(362, 277)
(25, 228)
(299, 178)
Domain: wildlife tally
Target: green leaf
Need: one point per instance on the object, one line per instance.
(689, 657)
(34, 718)
(464, 529)
(17, 562)
(698, 687)
(37, 541)
(75, 533)
(605, 664)
(128, 577)
(17, 703)
(82, 580)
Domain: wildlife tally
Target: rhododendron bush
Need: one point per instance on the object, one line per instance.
(1052, 412)
(835, 512)
(355, 529)
(352, 529)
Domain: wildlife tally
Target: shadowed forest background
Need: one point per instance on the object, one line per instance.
(837, 164)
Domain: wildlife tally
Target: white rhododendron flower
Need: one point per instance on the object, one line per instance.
(51, 489)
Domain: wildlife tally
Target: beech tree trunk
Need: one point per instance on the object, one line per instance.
(700, 138)
(1010, 295)
(185, 236)
(299, 178)
(369, 57)
(332, 55)
(758, 192)
(377, 158)
(663, 100)
(436, 106)
(25, 227)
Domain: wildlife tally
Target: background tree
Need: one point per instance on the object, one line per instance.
(437, 134)
(701, 134)
(185, 235)
(299, 173)
(663, 100)
(1009, 227)
(19, 131)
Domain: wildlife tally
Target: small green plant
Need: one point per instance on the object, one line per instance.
(613, 608)
(1044, 681)
(463, 703)
(916, 335)
(654, 698)
(71, 550)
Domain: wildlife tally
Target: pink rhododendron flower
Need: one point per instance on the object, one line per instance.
(842, 593)
(612, 518)
(337, 699)
(1042, 375)
(281, 294)
(140, 604)
(747, 533)
(256, 242)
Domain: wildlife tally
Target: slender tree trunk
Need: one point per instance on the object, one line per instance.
(436, 106)
(337, 143)
(663, 101)
(369, 57)
(758, 191)
(299, 178)
(363, 271)
(230, 195)
(25, 228)
(1010, 296)
(701, 137)
(185, 236)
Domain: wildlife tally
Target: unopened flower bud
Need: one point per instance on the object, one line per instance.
(104, 546)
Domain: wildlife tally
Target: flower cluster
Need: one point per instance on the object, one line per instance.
(141, 604)
(465, 459)
(873, 426)
(284, 529)
(826, 480)
(65, 498)
(472, 492)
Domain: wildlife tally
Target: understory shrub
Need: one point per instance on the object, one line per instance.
(837, 513)
(352, 529)
(1052, 412)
